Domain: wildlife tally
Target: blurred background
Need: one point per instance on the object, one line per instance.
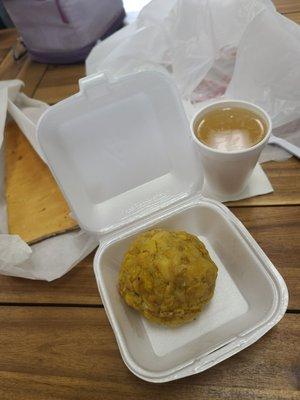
(132, 8)
(64, 31)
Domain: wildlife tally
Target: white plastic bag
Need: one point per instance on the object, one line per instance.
(207, 44)
(267, 72)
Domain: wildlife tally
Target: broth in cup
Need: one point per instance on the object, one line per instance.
(231, 128)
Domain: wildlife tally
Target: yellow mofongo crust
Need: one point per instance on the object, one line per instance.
(168, 276)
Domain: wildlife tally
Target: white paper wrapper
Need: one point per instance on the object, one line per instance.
(51, 258)
(237, 48)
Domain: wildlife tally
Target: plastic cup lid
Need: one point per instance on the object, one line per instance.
(120, 149)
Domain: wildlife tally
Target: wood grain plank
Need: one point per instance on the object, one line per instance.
(77, 287)
(59, 82)
(54, 94)
(10, 68)
(3, 54)
(285, 179)
(31, 74)
(287, 6)
(8, 38)
(294, 17)
(276, 229)
(71, 353)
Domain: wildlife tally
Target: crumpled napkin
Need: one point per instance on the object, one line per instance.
(237, 48)
(8, 254)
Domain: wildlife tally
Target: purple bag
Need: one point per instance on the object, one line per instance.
(64, 31)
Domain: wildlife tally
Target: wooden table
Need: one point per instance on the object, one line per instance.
(55, 339)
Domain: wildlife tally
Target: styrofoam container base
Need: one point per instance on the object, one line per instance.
(250, 297)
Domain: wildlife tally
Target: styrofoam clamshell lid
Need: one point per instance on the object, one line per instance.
(120, 149)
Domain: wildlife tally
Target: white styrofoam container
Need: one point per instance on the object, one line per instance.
(123, 156)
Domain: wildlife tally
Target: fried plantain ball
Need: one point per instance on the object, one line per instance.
(168, 276)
